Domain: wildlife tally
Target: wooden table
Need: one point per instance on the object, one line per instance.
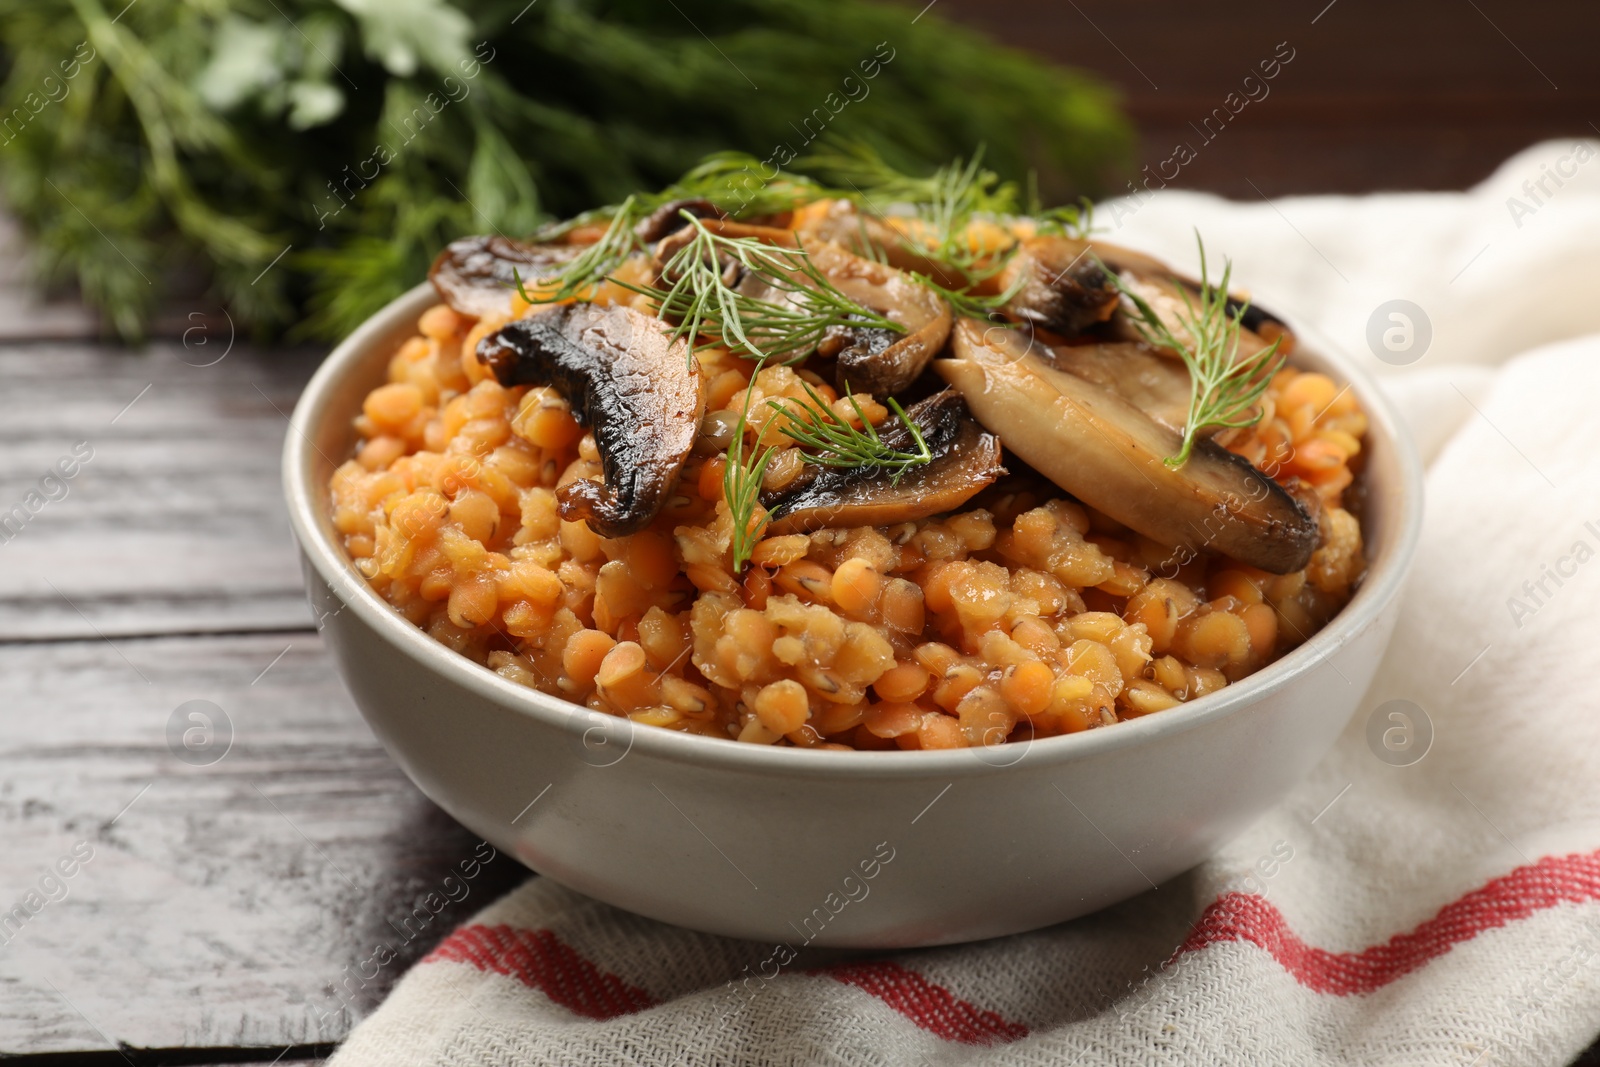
(221, 903)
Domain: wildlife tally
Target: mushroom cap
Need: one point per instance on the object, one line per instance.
(1064, 290)
(668, 218)
(639, 391)
(1106, 452)
(477, 276)
(966, 460)
(880, 370)
(1060, 286)
(893, 294)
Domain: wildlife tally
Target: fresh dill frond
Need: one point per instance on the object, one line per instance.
(732, 181)
(958, 189)
(1068, 220)
(836, 443)
(1224, 389)
(869, 249)
(965, 302)
(741, 488)
(591, 266)
(963, 190)
(871, 178)
(702, 294)
(944, 203)
(861, 168)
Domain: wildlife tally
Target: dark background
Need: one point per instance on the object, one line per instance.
(1381, 94)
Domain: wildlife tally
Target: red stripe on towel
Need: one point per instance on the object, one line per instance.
(930, 1006)
(542, 961)
(539, 959)
(1571, 879)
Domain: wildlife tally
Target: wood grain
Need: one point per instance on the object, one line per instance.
(222, 903)
(175, 525)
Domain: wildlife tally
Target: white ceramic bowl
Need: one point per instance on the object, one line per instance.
(864, 849)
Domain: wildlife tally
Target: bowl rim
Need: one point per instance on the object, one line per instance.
(1384, 579)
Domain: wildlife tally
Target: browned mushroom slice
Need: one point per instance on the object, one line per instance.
(1157, 386)
(869, 359)
(1065, 290)
(640, 393)
(477, 275)
(668, 218)
(868, 363)
(1061, 286)
(673, 242)
(873, 238)
(966, 459)
(1148, 269)
(1109, 454)
(856, 344)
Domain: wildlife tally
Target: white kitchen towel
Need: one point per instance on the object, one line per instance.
(1442, 912)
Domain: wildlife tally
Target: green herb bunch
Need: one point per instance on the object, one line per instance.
(300, 162)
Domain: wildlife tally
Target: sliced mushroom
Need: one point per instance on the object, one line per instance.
(1109, 454)
(640, 393)
(869, 359)
(1064, 290)
(856, 344)
(1148, 269)
(873, 238)
(966, 459)
(673, 242)
(868, 364)
(1062, 287)
(477, 275)
(1157, 386)
(668, 218)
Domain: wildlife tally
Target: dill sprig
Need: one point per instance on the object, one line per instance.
(1224, 389)
(1068, 220)
(702, 294)
(874, 180)
(839, 444)
(730, 181)
(727, 179)
(722, 178)
(870, 177)
(741, 488)
(944, 202)
(591, 266)
(961, 190)
(970, 304)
